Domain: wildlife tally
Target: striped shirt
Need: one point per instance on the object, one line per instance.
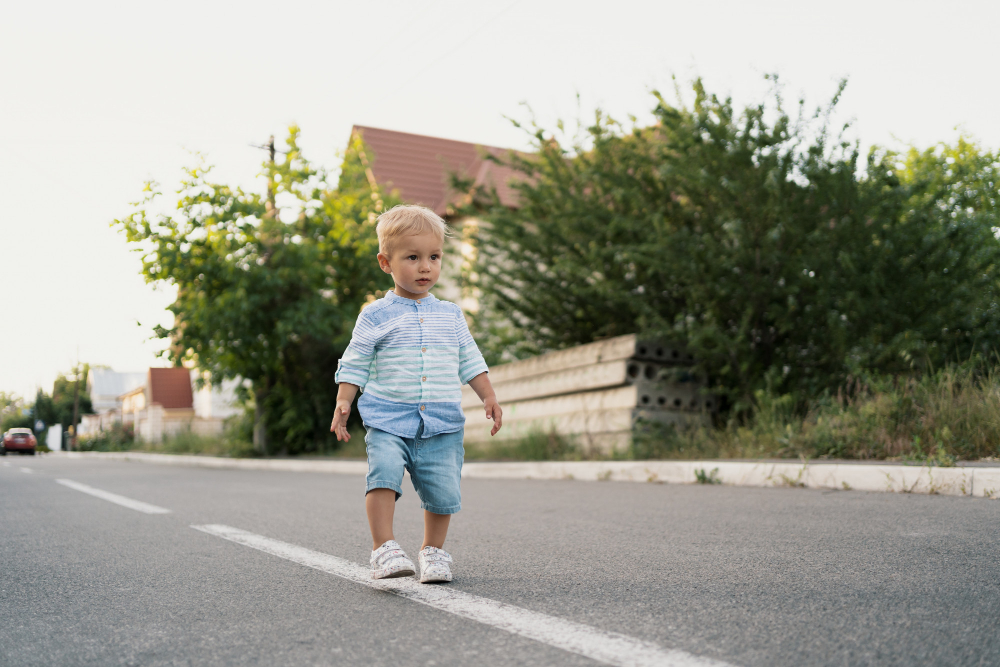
(410, 357)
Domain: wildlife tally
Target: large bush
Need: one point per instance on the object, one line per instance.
(754, 237)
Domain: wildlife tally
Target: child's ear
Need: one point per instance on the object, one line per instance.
(383, 263)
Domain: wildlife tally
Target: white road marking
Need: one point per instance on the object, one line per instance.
(28, 470)
(136, 505)
(608, 647)
(6, 464)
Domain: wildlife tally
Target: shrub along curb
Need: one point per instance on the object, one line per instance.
(890, 477)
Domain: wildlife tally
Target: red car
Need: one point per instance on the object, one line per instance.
(19, 440)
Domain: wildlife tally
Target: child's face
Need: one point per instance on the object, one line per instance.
(414, 262)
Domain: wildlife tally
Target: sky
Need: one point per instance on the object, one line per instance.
(98, 97)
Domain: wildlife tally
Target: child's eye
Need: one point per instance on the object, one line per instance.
(412, 257)
(434, 257)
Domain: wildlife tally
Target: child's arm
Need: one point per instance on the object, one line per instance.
(345, 397)
(484, 390)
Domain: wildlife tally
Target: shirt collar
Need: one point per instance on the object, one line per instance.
(395, 298)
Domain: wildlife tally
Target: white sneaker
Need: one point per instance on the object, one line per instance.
(389, 561)
(434, 565)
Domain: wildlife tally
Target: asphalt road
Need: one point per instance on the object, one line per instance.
(743, 576)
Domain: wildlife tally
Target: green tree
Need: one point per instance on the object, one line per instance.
(12, 412)
(749, 236)
(269, 285)
(10, 403)
(57, 407)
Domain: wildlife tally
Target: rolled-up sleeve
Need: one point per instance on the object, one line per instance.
(470, 359)
(354, 367)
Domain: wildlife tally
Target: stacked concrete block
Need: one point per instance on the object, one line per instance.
(595, 393)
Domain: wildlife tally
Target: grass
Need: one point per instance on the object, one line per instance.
(536, 446)
(121, 438)
(186, 442)
(937, 419)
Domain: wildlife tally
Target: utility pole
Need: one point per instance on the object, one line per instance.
(270, 208)
(261, 387)
(76, 399)
(270, 178)
(76, 403)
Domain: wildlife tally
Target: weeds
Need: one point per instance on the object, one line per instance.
(703, 477)
(187, 442)
(936, 419)
(119, 438)
(536, 446)
(939, 457)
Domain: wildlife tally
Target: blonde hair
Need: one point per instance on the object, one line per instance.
(405, 220)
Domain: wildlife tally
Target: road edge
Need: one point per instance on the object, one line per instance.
(893, 478)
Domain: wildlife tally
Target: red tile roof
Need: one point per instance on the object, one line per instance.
(419, 167)
(170, 388)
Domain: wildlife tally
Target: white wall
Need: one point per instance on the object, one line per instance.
(215, 402)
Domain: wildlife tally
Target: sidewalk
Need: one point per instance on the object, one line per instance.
(970, 480)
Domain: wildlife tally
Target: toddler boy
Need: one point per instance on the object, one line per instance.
(410, 353)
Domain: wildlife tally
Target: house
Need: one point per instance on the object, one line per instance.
(162, 406)
(106, 387)
(160, 403)
(419, 169)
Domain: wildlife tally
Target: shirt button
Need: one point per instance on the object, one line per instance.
(421, 320)
(423, 349)
(418, 302)
(421, 407)
(423, 379)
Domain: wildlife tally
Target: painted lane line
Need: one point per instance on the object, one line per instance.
(136, 505)
(608, 647)
(27, 470)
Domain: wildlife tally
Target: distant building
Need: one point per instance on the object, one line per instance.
(215, 402)
(161, 403)
(163, 406)
(105, 387)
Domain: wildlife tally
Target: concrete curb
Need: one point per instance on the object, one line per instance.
(983, 482)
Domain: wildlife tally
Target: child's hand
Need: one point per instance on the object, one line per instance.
(494, 412)
(339, 425)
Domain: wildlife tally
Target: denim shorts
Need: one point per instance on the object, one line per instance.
(434, 464)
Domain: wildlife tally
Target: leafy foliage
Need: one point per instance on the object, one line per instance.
(751, 236)
(13, 413)
(268, 287)
(58, 408)
(119, 438)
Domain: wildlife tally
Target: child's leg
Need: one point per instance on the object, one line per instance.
(380, 504)
(437, 478)
(435, 529)
(388, 457)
